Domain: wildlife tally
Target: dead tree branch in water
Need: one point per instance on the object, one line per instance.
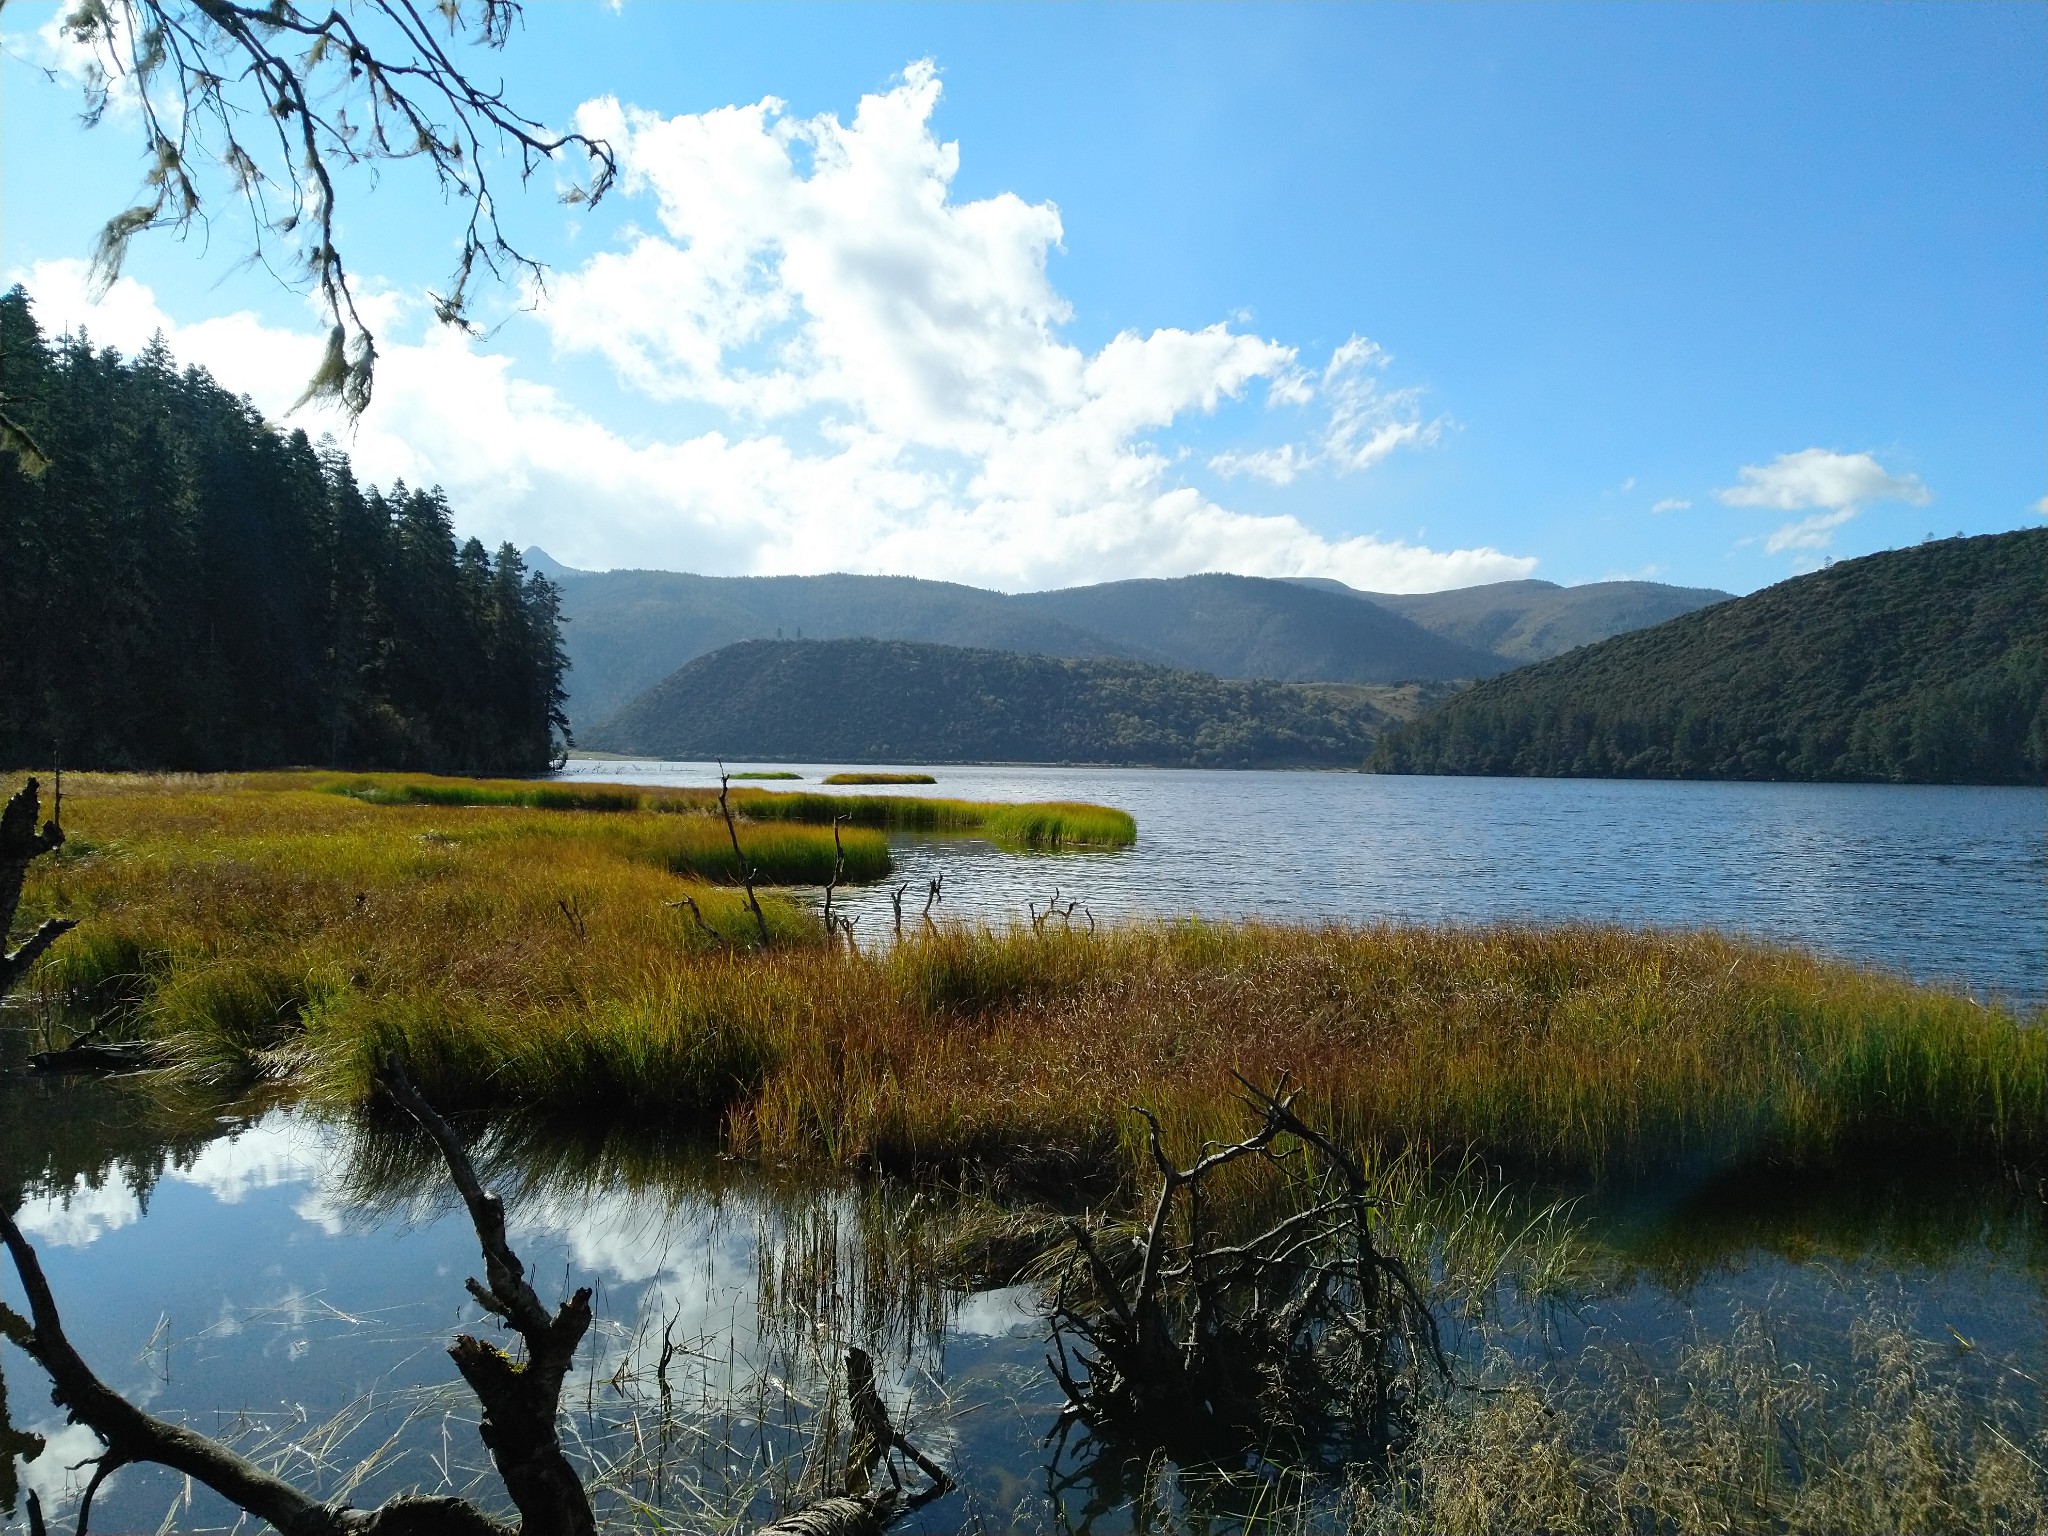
(520, 1398)
(864, 1509)
(934, 889)
(1053, 909)
(831, 885)
(21, 844)
(746, 870)
(1183, 1343)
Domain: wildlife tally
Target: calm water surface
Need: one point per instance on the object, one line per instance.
(290, 1281)
(277, 1278)
(1949, 884)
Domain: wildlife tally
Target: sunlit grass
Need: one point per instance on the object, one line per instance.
(878, 778)
(538, 962)
(1040, 825)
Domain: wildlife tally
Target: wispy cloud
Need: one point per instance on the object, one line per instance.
(1814, 532)
(1366, 421)
(1842, 483)
(1671, 504)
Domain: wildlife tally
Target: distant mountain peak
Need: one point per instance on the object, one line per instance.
(538, 559)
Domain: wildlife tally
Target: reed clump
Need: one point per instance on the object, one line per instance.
(1037, 825)
(877, 778)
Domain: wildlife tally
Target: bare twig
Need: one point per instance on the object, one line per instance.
(838, 869)
(359, 85)
(746, 870)
(690, 903)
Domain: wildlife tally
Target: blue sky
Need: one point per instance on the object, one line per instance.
(1409, 295)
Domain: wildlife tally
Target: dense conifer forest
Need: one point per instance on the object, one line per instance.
(187, 586)
(1920, 665)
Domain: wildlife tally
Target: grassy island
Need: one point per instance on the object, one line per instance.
(879, 778)
(546, 963)
(1031, 824)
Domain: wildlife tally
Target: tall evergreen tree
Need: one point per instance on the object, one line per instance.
(188, 587)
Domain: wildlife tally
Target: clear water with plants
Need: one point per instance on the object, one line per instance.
(1712, 1232)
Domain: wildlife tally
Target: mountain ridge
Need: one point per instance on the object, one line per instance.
(628, 629)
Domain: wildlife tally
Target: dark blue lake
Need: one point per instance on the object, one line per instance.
(1948, 884)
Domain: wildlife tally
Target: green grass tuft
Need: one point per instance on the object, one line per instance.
(878, 778)
(1043, 825)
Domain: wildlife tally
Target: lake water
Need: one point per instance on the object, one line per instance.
(291, 1282)
(1948, 884)
(286, 1281)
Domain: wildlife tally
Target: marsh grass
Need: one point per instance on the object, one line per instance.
(535, 962)
(877, 778)
(1737, 1434)
(1031, 825)
(768, 773)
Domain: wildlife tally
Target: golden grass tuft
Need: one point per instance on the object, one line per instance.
(878, 778)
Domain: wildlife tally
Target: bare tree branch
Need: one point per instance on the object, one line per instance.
(281, 96)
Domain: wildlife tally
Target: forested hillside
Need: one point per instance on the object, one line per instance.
(892, 701)
(629, 629)
(188, 587)
(1920, 665)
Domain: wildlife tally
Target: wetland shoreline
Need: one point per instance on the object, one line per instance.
(527, 960)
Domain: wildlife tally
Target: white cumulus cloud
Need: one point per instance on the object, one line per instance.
(1816, 477)
(867, 374)
(1841, 483)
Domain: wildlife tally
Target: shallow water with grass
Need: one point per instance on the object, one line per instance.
(1770, 1255)
(1944, 883)
(290, 1280)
